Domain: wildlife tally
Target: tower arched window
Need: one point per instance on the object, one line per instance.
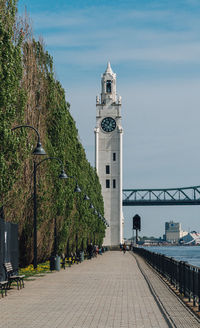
(108, 86)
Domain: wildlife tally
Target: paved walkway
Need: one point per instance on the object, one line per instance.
(107, 291)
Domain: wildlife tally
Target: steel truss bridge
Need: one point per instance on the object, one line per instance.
(165, 197)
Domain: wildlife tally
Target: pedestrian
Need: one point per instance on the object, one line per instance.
(90, 250)
(124, 248)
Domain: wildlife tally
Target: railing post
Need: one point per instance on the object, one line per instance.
(171, 270)
(189, 284)
(193, 286)
(156, 261)
(159, 263)
(184, 279)
(179, 277)
(164, 265)
(199, 288)
(176, 274)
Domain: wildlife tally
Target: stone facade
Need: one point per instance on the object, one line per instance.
(108, 155)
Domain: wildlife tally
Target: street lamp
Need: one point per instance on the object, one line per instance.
(62, 175)
(38, 150)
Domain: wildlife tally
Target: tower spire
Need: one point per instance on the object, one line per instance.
(108, 69)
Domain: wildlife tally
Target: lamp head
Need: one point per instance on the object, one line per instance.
(77, 189)
(39, 150)
(63, 175)
(86, 197)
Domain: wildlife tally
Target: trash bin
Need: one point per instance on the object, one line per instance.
(81, 256)
(55, 263)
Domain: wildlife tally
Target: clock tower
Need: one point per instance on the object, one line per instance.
(108, 155)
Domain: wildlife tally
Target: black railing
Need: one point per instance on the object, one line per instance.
(183, 276)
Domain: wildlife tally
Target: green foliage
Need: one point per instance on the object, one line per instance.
(12, 98)
(30, 94)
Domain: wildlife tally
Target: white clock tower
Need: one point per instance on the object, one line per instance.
(108, 155)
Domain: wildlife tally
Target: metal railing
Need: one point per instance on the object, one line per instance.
(183, 276)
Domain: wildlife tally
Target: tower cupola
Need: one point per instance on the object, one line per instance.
(108, 86)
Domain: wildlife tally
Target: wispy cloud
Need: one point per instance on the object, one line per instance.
(110, 17)
(171, 54)
(50, 20)
(89, 36)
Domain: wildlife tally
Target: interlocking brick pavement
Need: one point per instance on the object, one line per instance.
(107, 291)
(175, 310)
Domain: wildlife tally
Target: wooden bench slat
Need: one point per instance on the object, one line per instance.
(13, 277)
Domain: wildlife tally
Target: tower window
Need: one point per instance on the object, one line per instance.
(108, 86)
(114, 183)
(107, 169)
(107, 183)
(114, 157)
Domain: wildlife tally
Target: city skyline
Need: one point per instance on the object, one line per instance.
(154, 49)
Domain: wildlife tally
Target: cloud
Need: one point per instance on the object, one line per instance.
(155, 52)
(87, 37)
(113, 16)
(50, 20)
(131, 36)
(186, 53)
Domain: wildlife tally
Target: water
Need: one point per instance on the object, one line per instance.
(190, 254)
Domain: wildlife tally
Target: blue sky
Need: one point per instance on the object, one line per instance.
(154, 47)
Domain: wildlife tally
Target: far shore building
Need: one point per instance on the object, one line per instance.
(192, 238)
(173, 232)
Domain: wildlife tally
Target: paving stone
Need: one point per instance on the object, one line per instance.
(109, 291)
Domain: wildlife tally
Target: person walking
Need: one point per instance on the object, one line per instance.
(124, 248)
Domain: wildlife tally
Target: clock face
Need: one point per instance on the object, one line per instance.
(108, 124)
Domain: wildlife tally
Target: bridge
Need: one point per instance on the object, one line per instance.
(165, 197)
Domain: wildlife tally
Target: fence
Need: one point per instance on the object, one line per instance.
(8, 246)
(183, 276)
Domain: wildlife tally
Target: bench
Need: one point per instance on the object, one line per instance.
(3, 286)
(66, 260)
(11, 276)
(77, 258)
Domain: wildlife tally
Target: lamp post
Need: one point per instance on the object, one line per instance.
(37, 151)
(76, 189)
(62, 175)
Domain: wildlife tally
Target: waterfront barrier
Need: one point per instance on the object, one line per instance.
(183, 276)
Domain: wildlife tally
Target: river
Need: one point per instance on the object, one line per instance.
(190, 254)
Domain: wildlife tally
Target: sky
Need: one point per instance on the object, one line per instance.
(154, 48)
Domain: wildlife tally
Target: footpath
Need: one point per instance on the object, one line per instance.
(113, 290)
